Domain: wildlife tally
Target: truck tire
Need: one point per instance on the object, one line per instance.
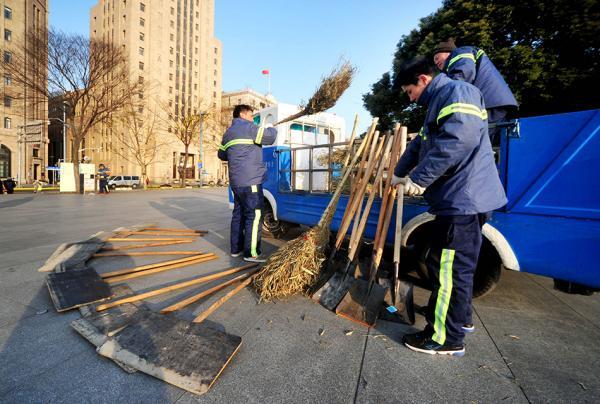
(487, 273)
(270, 227)
(113, 187)
(134, 186)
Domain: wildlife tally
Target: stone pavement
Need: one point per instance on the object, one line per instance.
(532, 343)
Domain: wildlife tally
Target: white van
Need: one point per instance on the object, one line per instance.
(124, 181)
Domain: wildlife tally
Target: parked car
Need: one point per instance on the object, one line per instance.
(124, 181)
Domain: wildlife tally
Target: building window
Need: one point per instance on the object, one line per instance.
(216, 51)
(171, 76)
(142, 22)
(6, 123)
(171, 51)
(172, 24)
(141, 51)
(7, 35)
(172, 37)
(142, 7)
(172, 11)
(7, 100)
(36, 153)
(170, 63)
(195, 86)
(8, 13)
(7, 57)
(141, 79)
(170, 90)
(141, 95)
(7, 79)
(215, 83)
(141, 65)
(141, 36)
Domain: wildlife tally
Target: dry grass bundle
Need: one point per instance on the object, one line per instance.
(329, 92)
(296, 266)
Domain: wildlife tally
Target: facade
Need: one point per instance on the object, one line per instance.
(23, 131)
(171, 49)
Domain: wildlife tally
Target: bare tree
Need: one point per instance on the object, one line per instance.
(136, 135)
(91, 76)
(186, 128)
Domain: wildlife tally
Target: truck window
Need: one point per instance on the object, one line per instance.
(135, 178)
(128, 178)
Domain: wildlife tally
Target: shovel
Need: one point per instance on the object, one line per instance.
(364, 299)
(402, 296)
(338, 285)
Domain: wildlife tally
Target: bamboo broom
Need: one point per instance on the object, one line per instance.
(296, 266)
(329, 92)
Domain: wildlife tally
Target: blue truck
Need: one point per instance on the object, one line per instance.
(550, 168)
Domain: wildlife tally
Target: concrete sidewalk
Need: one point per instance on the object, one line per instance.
(532, 343)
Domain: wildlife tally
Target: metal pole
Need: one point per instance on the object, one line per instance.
(201, 149)
(64, 133)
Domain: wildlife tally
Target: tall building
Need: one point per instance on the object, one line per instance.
(23, 132)
(171, 48)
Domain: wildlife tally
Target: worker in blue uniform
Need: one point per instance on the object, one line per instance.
(241, 147)
(451, 164)
(471, 64)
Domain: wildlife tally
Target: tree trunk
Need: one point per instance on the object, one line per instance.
(184, 166)
(75, 159)
(144, 176)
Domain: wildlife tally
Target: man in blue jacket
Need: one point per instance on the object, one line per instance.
(451, 164)
(241, 147)
(472, 65)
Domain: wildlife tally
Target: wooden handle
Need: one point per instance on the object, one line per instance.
(222, 300)
(164, 233)
(151, 266)
(195, 298)
(144, 253)
(115, 279)
(347, 171)
(400, 203)
(113, 239)
(131, 247)
(167, 289)
(176, 230)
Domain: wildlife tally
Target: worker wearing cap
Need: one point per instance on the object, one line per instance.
(103, 174)
(472, 65)
(241, 147)
(451, 164)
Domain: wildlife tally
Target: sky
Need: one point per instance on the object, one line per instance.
(297, 41)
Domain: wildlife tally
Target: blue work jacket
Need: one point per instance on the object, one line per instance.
(472, 65)
(241, 147)
(452, 156)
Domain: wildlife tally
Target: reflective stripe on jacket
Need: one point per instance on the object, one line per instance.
(452, 156)
(472, 65)
(241, 147)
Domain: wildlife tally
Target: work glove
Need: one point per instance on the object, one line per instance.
(411, 188)
(397, 180)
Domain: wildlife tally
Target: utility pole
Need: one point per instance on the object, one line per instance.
(201, 154)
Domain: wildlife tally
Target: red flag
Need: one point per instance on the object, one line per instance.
(266, 71)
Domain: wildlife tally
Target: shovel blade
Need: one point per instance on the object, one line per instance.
(404, 301)
(361, 306)
(331, 294)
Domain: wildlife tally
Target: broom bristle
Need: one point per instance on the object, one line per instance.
(296, 266)
(331, 89)
(329, 92)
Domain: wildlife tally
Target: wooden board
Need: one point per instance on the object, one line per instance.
(189, 356)
(72, 289)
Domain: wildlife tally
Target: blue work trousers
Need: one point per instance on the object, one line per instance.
(451, 262)
(246, 222)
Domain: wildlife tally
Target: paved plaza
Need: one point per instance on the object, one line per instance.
(531, 344)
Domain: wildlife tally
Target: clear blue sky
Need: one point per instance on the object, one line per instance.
(298, 41)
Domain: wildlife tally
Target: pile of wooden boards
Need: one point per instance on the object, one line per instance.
(190, 355)
(349, 296)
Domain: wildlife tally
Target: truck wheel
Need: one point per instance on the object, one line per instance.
(134, 186)
(113, 187)
(487, 273)
(270, 227)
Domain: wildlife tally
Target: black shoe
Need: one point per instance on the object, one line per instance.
(416, 337)
(431, 347)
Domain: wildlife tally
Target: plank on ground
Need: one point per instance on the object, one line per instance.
(120, 239)
(72, 289)
(189, 356)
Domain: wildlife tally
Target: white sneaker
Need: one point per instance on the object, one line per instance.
(258, 259)
(235, 255)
